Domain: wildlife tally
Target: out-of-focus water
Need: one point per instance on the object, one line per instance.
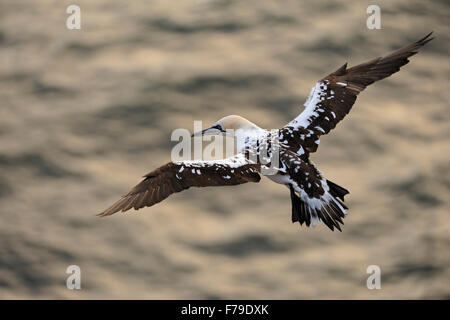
(84, 114)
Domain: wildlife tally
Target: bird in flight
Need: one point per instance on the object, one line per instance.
(314, 198)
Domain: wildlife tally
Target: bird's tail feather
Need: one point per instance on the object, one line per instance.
(337, 191)
(330, 213)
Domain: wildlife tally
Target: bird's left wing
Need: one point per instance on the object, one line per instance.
(178, 176)
(332, 97)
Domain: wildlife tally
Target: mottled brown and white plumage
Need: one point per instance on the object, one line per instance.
(313, 198)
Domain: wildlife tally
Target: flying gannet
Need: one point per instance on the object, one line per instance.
(313, 198)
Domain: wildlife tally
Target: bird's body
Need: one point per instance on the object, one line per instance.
(281, 155)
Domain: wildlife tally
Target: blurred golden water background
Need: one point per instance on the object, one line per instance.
(84, 114)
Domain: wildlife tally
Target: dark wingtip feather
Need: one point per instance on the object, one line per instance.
(341, 70)
(103, 214)
(425, 39)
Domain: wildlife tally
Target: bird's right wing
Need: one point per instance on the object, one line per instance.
(178, 176)
(332, 97)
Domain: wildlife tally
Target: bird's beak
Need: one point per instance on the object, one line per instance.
(211, 131)
(199, 133)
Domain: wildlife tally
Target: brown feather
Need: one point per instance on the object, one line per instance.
(342, 88)
(171, 178)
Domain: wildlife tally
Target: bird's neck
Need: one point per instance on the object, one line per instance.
(250, 136)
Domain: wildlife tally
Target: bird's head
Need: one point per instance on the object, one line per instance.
(234, 126)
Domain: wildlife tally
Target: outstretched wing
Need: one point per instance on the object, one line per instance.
(178, 176)
(333, 97)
